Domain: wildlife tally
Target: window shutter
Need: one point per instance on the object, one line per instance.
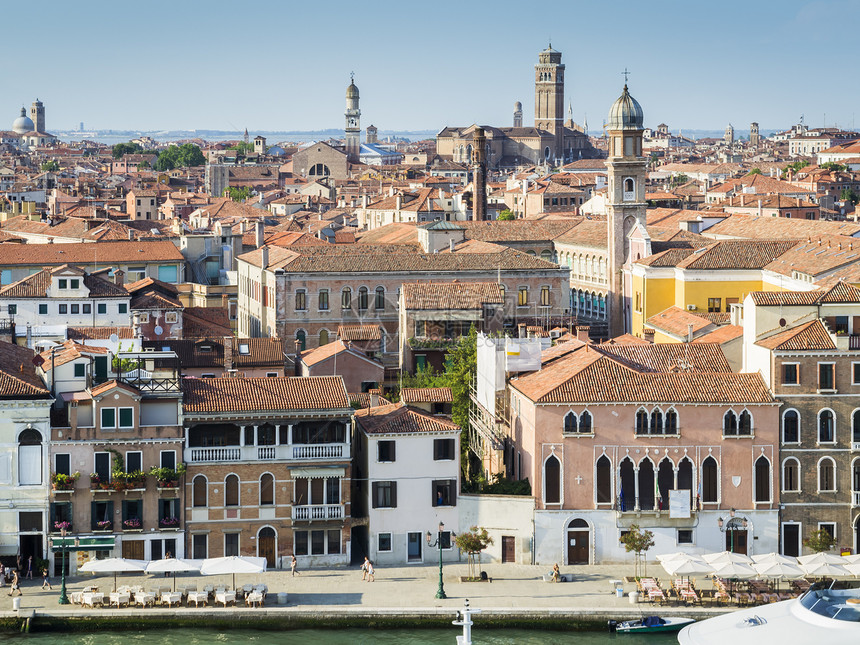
(374, 494)
(453, 490)
(393, 494)
(53, 517)
(436, 450)
(124, 510)
(433, 486)
(93, 518)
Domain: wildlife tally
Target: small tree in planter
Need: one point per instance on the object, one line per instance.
(167, 477)
(638, 542)
(59, 481)
(819, 541)
(473, 542)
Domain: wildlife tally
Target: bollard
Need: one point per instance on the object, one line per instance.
(282, 598)
(634, 597)
(16, 604)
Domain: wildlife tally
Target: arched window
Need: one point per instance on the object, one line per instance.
(362, 298)
(646, 485)
(671, 422)
(585, 422)
(552, 480)
(730, 424)
(665, 482)
(826, 425)
(301, 339)
(30, 457)
(267, 489)
(685, 475)
(199, 497)
(710, 480)
(790, 427)
(855, 476)
(628, 188)
(231, 491)
(826, 475)
(570, 423)
(745, 423)
(346, 298)
(641, 422)
(627, 485)
(603, 480)
(323, 337)
(380, 299)
(791, 475)
(762, 479)
(855, 426)
(656, 421)
(546, 255)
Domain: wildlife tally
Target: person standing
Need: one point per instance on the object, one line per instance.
(30, 568)
(364, 566)
(294, 565)
(370, 572)
(45, 581)
(2, 575)
(16, 584)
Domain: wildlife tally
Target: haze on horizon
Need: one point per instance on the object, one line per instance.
(285, 66)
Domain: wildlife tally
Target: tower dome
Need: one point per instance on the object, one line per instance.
(518, 107)
(23, 123)
(352, 90)
(625, 113)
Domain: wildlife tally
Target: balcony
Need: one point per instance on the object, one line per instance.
(294, 452)
(317, 512)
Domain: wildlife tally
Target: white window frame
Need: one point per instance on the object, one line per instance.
(782, 478)
(115, 418)
(132, 452)
(782, 426)
(782, 375)
(692, 537)
(390, 542)
(853, 382)
(818, 441)
(835, 525)
(161, 454)
(818, 475)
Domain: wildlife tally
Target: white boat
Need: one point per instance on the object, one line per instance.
(649, 624)
(819, 615)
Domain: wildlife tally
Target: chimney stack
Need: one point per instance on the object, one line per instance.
(119, 277)
(228, 353)
(259, 238)
(264, 257)
(582, 333)
(451, 245)
(374, 398)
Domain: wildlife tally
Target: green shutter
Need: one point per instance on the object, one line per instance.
(108, 417)
(126, 417)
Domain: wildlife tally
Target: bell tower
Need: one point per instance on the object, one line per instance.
(549, 98)
(37, 115)
(353, 122)
(626, 198)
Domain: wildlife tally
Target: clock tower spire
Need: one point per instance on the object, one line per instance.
(353, 122)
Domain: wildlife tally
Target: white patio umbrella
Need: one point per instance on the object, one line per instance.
(854, 568)
(776, 570)
(825, 569)
(726, 557)
(674, 556)
(851, 559)
(232, 564)
(816, 558)
(174, 566)
(734, 570)
(114, 566)
(686, 567)
(774, 557)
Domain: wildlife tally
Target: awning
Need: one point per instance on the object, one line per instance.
(105, 543)
(75, 396)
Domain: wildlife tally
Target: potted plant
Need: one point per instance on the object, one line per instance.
(167, 477)
(62, 525)
(168, 522)
(60, 481)
(118, 481)
(104, 525)
(137, 479)
(95, 480)
(132, 524)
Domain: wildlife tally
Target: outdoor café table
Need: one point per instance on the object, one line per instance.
(170, 598)
(197, 597)
(119, 598)
(255, 598)
(92, 599)
(144, 598)
(225, 597)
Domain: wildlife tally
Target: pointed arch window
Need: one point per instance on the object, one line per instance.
(585, 423)
(641, 422)
(603, 480)
(570, 423)
(552, 480)
(671, 424)
(745, 423)
(762, 479)
(730, 424)
(710, 480)
(656, 421)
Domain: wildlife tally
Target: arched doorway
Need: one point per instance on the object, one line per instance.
(736, 536)
(267, 546)
(857, 535)
(578, 539)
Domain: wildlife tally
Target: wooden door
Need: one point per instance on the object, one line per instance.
(736, 541)
(133, 549)
(791, 539)
(266, 549)
(509, 551)
(577, 547)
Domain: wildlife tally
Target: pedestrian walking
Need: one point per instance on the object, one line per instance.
(45, 581)
(30, 568)
(16, 584)
(294, 565)
(364, 566)
(370, 572)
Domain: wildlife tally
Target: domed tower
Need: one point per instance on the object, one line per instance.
(37, 114)
(518, 115)
(549, 97)
(23, 123)
(625, 197)
(353, 122)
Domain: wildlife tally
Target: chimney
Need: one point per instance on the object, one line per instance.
(374, 398)
(264, 257)
(582, 333)
(119, 277)
(648, 334)
(451, 245)
(398, 202)
(759, 208)
(259, 238)
(228, 353)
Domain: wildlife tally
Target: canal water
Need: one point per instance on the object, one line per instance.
(335, 637)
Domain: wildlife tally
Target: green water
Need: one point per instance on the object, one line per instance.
(347, 636)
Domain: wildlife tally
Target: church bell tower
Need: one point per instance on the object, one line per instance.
(626, 198)
(353, 122)
(549, 98)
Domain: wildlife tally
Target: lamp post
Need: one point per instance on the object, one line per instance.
(440, 592)
(64, 598)
(730, 528)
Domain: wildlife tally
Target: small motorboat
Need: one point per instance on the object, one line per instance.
(649, 624)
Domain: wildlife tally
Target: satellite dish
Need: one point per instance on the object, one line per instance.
(158, 330)
(113, 338)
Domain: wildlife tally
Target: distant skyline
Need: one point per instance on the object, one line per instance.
(285, 66)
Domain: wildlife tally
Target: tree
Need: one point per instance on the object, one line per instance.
(121, 149)
(678, 180)
(143, 164)
(50, 166)
(797, 165)
(754, 171)
(848, 195)
(243, 148)
(180, 157)
(461, 367)
(237, 194)
(832, 165)
(638, 542)
(819, 541)
(473, 542)
(506, 215)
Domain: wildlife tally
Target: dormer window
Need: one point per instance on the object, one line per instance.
(244, 349)
(63, 283)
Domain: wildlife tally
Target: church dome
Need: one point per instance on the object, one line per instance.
(352, 91)
(625, 113)
(23, 123)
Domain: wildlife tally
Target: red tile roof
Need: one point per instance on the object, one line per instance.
(254, 394)
(809, 336)
(401, 419)
(450, 295)
(426, 395)
(102, 253)
(18, 378)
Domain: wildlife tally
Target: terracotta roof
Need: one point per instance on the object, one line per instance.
(590, 376)
(841, 292)
(721, 334)
(233, 394)
(102, 253)
(359, 332)
(362, 399)
(37, 285)
(517, 230)
(426, 395)
(319, 354)
(98, 333)
(450, 295)
(736, 254)
(809, 336)
(668, 357)
(401, 419)
(677, 321)
(67, 352)
(18, 378)
(755, 227)
(816, 256)
(107, 386)
(589, 232)
(205, 322)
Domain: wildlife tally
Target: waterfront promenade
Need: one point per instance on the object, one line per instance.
(516, 593)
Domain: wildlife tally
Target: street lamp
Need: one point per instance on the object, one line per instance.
(440, 592)
(64, 598)
(728, 527)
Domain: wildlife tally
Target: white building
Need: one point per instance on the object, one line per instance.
(410, 465)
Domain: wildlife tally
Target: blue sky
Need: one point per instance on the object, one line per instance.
(284, 65)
